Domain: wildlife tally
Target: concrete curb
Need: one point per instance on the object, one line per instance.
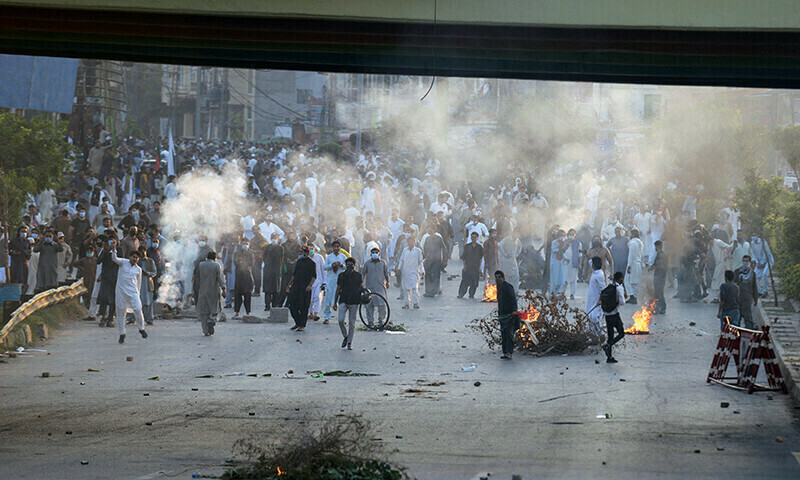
(786, 350)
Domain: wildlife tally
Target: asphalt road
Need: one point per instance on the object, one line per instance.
(536, 417)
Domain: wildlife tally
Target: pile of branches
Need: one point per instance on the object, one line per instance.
(341, 448)
(559, 328)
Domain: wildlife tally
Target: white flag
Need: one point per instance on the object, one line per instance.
(171, 156)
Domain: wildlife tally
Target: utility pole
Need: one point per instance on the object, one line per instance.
(358, 120)
(225, 86)
(200, 92)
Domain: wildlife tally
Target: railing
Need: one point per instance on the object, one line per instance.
(40, 301)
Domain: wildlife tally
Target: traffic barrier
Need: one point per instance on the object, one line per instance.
(749, 348)
(40, 301)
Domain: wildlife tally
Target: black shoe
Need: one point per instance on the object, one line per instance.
(210, 330)
(506, 356)
(149, 323)
(344, 342)
(293, 328)
(266, 309)
(122, 338)
(349, 346)
(102, 323)
(459, 297)
(143, 333)
(607, 349)
(110, 324)
(611, 360)
(472, 297)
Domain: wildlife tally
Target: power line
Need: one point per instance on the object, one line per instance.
(252, 84)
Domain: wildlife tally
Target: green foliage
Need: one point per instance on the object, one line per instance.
(331, 148)
(237, 127)
(341, 449)
(787, 141)
(133, 129)
(790, 282)
(32, 158)
(785, 228)
(758, 201)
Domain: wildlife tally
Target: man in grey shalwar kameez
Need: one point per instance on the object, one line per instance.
(618, 246)
(210, 288)
(148, 266)
(376, 280)
(47, 273)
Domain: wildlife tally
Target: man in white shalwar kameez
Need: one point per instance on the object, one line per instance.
(722, 261)
(597, 282)
(507, 252)
(642, 222)
(411, 270)
(316, 288)
(129, 281)
(635, 263)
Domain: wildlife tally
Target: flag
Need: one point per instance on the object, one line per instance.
(158, 160)
(171, 156)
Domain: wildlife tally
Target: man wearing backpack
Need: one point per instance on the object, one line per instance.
(611, 298)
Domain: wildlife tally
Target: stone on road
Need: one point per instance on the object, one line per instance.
(551, 417)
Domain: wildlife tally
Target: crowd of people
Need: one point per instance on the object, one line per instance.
(310, 222)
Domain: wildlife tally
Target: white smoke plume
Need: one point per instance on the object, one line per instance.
(208, 203)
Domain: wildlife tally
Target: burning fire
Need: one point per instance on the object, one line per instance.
(281, 472)
(526, 333)
(490, 293)
(641, 319)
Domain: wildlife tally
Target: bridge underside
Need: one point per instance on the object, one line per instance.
(686, 56)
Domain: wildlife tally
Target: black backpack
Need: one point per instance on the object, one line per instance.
(608, 298)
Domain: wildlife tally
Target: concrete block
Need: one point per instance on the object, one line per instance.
(252, 319)
(41, 331)
(27, 333)
(278, 315)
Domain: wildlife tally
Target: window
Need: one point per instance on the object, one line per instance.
(303, 95)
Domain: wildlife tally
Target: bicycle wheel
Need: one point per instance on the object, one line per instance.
(381, 311)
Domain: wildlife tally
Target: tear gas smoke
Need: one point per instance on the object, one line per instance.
(209, 204)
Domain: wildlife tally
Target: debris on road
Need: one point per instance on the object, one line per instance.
(92, 370)
(724, 404)
(603, 415)
(477, 384)
(45, 374)
(154, 378)
(84, 462)
(470, 368)
(129, 359)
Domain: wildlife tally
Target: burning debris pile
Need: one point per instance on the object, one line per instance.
(490, 293)
(641, 320)
(556, 327)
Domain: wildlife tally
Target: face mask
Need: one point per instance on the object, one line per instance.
(81, 214)
(245, 247)
(745, 265)
(34, 236)
(201, 243)
(311, 253)
(154, 244)
(22, 235)
(374, 256)
(111, 242)
(48, 240)
(90, 255)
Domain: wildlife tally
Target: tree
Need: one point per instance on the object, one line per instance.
(759, 202)
(787, 141)
(32, 159)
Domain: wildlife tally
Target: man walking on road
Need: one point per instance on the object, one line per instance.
(613, 320)
(472, 255)
(506, 313)
(348, 297)
(210, 285)
(376, 279)
(303, 276)
(745, 279)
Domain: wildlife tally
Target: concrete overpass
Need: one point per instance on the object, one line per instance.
(714, 42)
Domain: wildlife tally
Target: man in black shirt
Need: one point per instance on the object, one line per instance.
(506, 313)
(299, 289)
(659, 269)
(348, 294)
(728, 301)
(471, 254)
